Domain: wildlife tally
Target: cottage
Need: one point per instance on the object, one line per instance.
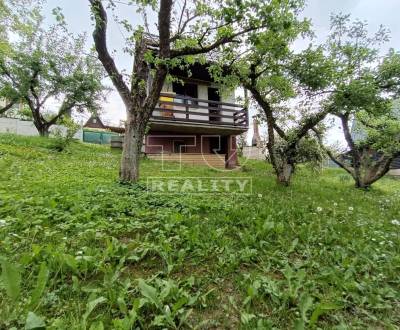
(196, 122)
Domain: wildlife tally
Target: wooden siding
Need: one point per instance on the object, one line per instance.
(396, 164)
(210, 160)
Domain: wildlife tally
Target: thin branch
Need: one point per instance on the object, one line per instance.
(346, 131)
(181, 16)
(7, 107)
(64, 108)
(8, 74)
(330, 153)
(205, 49)
(308, 125)
(181, 31)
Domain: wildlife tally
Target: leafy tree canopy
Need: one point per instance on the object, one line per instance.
(47, 64)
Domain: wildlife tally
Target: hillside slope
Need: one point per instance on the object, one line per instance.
(79, 250)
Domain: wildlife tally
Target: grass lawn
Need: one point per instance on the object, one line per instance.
(80, 251)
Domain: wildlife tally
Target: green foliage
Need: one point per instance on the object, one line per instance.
(309, 151)
(91, 252)
(50, 63)
(40, 285)
(312, 69)
(62, 138)
(367, 84)
(11, 279)
(34, 322)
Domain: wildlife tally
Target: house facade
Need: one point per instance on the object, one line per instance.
(196, 122)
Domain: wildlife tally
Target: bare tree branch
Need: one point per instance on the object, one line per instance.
(308, 125)
(334, 158)
(205, 49)
(64, 108)
(181, 16)
(100, 40)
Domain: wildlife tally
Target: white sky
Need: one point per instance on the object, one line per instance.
(375, 12)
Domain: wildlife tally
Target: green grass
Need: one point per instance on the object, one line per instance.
(81, 251)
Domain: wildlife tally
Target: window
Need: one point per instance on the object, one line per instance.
(187, 90)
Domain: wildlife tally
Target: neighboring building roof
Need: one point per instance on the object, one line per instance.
(94, 122)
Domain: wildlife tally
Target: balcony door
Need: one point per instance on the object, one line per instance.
(213, 95)
(186, 90)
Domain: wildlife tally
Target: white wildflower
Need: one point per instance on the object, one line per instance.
(3, 223)
(396, 222)
(259, 195)
(335, 204)
(351, 208)
(319, 209)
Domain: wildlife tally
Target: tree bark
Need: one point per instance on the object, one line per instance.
(284, 171)
(132, 149)
(42, 129)
(366, 165)
(371, 169)
(280, 160)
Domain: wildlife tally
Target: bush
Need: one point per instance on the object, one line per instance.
(62, 138)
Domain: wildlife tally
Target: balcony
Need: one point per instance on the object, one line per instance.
(186, 114)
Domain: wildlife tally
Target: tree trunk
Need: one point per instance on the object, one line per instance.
(132, 149)
(43, 130)
(284, 170)
(371, 168)
(360, 184)
(285, 174)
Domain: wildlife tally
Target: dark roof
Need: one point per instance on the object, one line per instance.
(94, 122)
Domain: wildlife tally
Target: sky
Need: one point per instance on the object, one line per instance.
(375, 12)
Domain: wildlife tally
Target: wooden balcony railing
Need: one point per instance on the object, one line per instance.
(186, 109)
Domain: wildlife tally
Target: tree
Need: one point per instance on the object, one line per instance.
(185, 32)
(366, 87)
(43, 65)
(282, 85)
(15, 16)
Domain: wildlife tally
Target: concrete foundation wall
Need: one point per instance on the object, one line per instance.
(394, 172)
